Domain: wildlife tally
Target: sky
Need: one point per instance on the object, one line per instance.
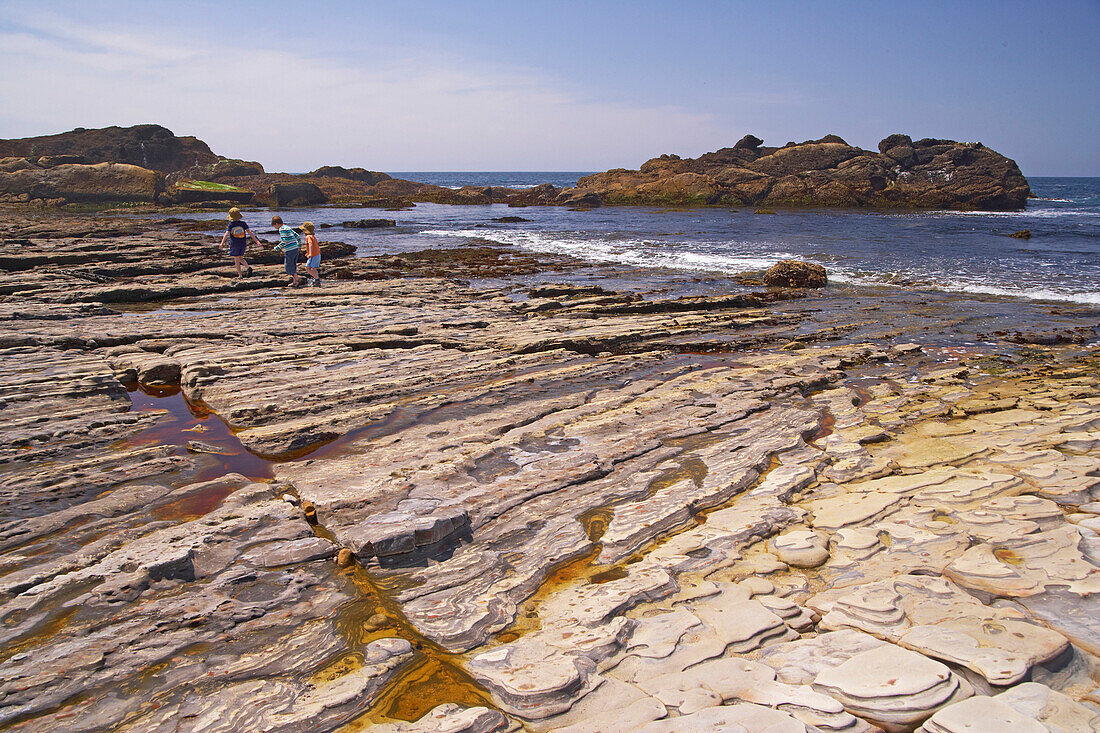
(428, 85)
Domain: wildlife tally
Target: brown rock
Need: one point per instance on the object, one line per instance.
(99, 182)
(297, 194)
(1022, 234)
(929, 173)
(795, 274)
(148, 146)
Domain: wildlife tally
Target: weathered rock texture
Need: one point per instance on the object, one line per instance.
(148, 146)
(925, 174)
(101, 182)
(434, 507)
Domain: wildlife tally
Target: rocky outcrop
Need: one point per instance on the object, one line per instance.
(369, 223)
(148, 146)
(795, 274)
(352, 174)
(101, 182)
(223, 168)
(296, 194)
(926, 174)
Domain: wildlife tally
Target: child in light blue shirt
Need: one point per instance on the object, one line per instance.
(288, 245)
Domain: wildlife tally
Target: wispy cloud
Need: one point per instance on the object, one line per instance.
(295, 111)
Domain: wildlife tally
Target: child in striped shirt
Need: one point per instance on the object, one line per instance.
(288, 244)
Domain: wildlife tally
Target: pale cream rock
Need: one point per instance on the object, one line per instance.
(657, 636)
(743, 624)
(851, 509)
(892, 687)
(980, 714)
(740, 718)
(799, 662)
(450, 718)
(937, 619)
(800, 548)
(1057, 712)
(624, 717)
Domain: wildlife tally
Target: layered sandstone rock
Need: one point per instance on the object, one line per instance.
(556, 506)
(148, 146)
(101, 182)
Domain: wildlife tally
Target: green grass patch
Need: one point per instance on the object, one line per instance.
(190, 185)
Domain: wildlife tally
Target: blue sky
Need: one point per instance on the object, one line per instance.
(434, 85)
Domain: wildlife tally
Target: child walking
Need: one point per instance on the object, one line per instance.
(288, 245)
(237, 234)
(313, 254)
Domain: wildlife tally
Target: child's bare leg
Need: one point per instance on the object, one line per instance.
(237, 264)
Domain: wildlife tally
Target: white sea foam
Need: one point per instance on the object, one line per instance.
(934, 282)
(1025, 214)
(646, 253)
(626, 251)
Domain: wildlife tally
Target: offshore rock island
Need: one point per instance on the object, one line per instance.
(122, 164)
(926, 174)
(483, 489)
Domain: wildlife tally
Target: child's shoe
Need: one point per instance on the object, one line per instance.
(316, 282)
(248, 272)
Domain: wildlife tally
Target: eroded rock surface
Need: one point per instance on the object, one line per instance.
(434, 507)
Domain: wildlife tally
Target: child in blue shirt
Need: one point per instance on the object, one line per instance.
(288, 245)
(237, 234)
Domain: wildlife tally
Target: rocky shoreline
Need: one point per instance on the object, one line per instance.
(148, 163)
(410, 501)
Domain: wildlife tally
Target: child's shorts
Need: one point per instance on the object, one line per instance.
(314, 262)
(237, 250)
(290, 261)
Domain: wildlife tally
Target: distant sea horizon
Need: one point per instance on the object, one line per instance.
(504, 179)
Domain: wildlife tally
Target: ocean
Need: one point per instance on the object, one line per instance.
(506, 179)
(967, 252)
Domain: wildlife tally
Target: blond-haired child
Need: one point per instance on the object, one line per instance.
(237, 234)
(313, 254)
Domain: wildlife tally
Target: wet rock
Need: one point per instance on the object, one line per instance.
(1022, 234)
(795, 274)
(198, 446)
(369, 224)
(450, 718)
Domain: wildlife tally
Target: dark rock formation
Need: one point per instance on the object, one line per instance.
(353, 174)
(297, 194)
(1022, 234)
(795, 274)
(224, 168)
(370, 224)
(148, 146)
(926, 174)
(88, 183)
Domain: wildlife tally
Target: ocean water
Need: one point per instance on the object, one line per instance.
(507, 179)
(939, 250)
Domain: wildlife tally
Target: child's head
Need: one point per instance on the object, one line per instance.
(276, 221)
(307, 227)
(234, 213)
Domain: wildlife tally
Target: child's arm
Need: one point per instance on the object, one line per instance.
(254, 238)
(225, 238)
